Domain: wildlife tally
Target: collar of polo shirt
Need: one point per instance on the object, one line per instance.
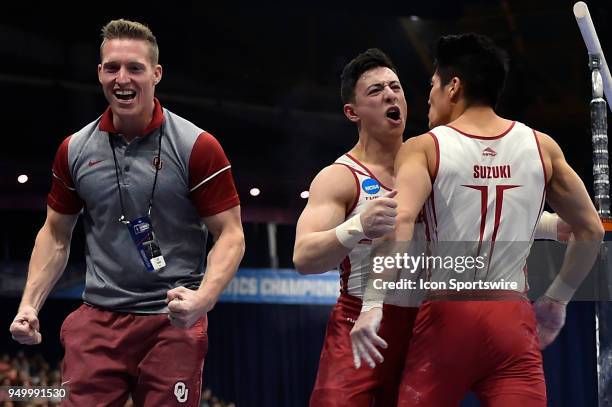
(106, 123)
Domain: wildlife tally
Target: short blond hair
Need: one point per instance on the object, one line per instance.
(121, 28)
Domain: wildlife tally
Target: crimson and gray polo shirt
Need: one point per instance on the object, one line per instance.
(194, 181)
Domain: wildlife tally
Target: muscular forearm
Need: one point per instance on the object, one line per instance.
(222, 263)
(47, 264)
(579, 259)
(318, 252)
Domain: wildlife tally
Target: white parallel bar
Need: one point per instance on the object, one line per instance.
(585, 23)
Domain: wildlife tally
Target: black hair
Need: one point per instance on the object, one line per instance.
(370, 59)
(477, 61)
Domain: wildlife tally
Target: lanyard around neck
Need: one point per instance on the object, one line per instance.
(123, 219)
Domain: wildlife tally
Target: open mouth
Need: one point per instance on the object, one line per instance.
(393, 113)
(124, 94)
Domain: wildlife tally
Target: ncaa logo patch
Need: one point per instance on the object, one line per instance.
(370, 186)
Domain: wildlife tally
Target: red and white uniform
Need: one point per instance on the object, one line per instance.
(338, 383)
(356, 266)
(487, 191)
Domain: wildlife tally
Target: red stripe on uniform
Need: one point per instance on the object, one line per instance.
(345, 272)
(544, 187)
(433, 209)
(540, 153)
(354, 204)
(367, 170)
(484, 199)
(499, 201)
(424, 212)
(437, 167)
(432, 222)
(483, 137)
(353, 169)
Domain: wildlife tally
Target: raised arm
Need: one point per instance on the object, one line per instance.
(317, 248)
(414, 166)
(323, 236)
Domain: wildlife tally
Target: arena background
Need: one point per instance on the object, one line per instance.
(265, 81)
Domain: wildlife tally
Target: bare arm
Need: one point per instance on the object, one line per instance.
(414, 164)
(568, 196)
(49, 258)
(187, 306)
(413, 184)
(413, 169)
(323, 236)
(225, 255)
(47, 263)
(317, 248)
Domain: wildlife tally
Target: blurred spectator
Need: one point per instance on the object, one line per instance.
(34, 370)
(24, 370)
(206, 397)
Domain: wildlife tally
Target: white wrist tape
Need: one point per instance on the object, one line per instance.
(350, 232)
(560, 291)
(547, 226)
(368, 305)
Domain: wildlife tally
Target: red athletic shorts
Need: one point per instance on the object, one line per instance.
(488, 347)
(110, 355)
(338, 383)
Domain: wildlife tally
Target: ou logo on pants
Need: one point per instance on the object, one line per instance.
(181, 392)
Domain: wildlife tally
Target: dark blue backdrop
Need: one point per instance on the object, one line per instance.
(265, 355)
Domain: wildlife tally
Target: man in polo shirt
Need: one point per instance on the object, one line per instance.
(137, 169)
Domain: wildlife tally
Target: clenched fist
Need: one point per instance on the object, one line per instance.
(25, 327)
(550, 317)
(378, 217)
(185, 307)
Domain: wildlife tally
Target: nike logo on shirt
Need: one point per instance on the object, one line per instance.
(92, 162)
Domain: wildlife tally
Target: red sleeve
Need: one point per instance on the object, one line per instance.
(211, 185)
(63, 197)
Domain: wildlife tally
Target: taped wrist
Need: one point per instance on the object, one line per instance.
(368, 305)
(350, 232)
(560, 291)
(547, 226)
